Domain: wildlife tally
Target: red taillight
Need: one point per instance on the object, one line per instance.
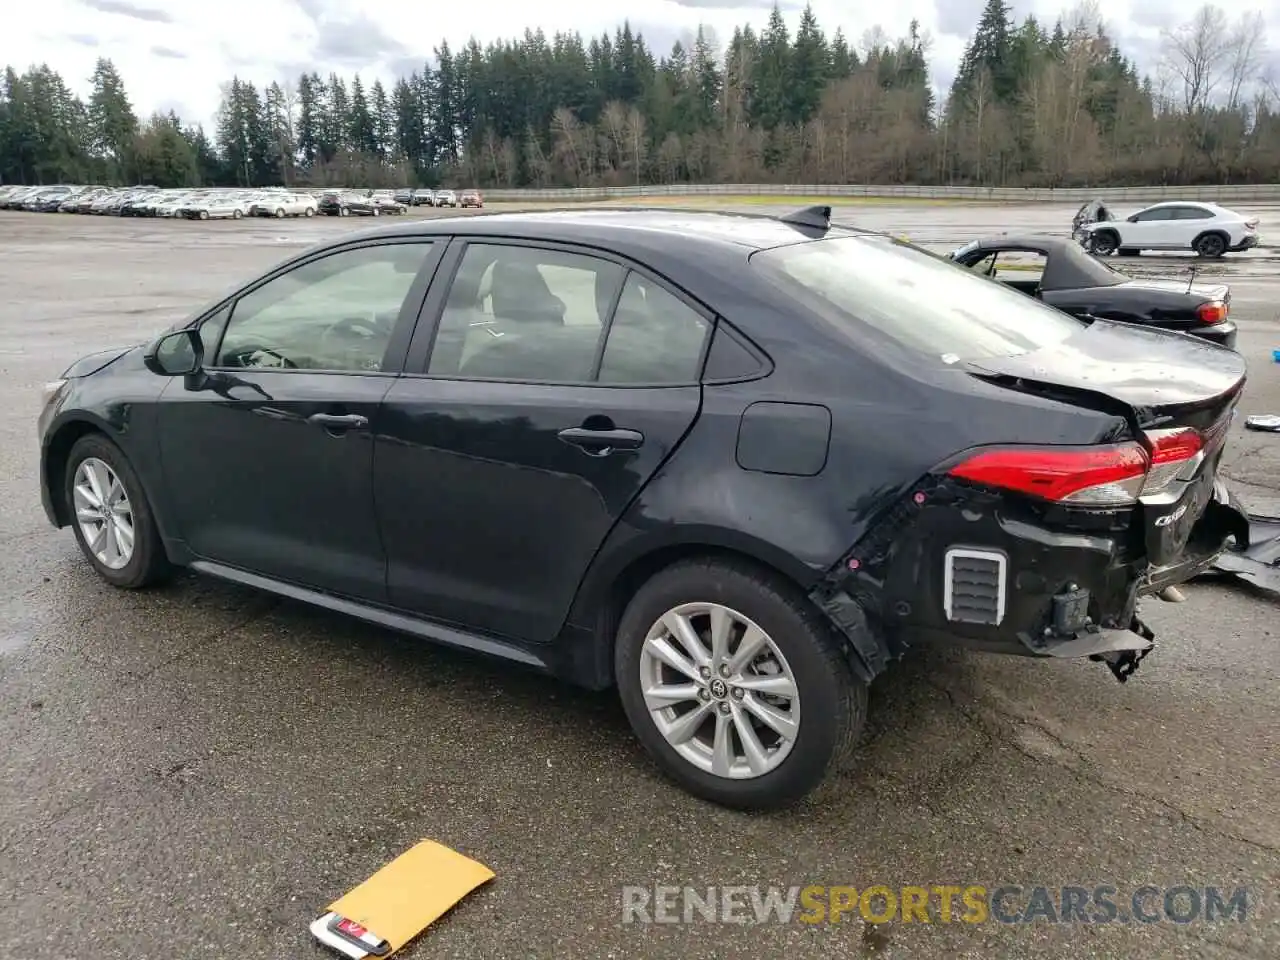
(1110, 475)
(1171, 453)
(1213, 311)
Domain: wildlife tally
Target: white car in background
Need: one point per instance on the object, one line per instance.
(285, 205)
(1206, 229)
(218, 205)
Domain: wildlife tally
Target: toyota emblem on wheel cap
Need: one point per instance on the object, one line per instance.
(719, 689)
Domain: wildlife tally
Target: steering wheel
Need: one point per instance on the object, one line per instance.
(361, 327)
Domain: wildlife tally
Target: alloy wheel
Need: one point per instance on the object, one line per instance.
(720, 691)
(103, 513)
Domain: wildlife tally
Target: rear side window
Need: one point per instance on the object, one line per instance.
(871, 286)
(654, 338)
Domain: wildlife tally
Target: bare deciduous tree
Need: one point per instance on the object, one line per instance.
(1196, 54)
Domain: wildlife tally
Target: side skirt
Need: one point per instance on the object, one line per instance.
(391, 619)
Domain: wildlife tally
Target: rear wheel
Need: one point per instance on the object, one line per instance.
(714, 661)
(204, 214)
(344, 212)
(309, 212)
(1211, 245)
(279, 213)
(236, 214)
(110, 515)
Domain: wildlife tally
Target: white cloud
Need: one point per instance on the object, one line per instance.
(177, 53)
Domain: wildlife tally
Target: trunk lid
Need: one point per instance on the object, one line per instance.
(1200, 291)
(1163, 383)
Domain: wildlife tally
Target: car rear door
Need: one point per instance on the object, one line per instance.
(545, 386)
(268, 452)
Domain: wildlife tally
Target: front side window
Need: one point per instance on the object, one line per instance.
(873, 286)
(524, 313)
(334, 313)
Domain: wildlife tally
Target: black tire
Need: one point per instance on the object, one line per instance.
(833, 698)
(1210, 245)
(1105, 242)
(149, 564)
(279, 213)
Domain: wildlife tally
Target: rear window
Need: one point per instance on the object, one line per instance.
(926, 304)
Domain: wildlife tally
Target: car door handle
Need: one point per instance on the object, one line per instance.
(602, 442)
(335, 421)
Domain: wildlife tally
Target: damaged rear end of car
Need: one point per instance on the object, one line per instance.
(1042, 473)
(1045, 549)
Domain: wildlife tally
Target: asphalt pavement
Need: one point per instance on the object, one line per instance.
(198, 770)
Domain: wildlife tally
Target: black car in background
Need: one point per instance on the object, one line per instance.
(347, 204)
(1080, 284)
(734, 466)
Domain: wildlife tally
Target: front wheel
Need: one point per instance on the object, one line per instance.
(714, 663)
(309, 212)
(236, 214)
(1104, 243)
(344, 212)
(279, 213)
(110, 515)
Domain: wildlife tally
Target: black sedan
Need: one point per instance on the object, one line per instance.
(732, 465)
(348, 205)
(1083, 286)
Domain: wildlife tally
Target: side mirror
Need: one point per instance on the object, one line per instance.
(175, 354)
(1131, 219)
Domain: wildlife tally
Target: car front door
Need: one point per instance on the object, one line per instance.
(1150, 230)
(268, 451)
(550, 386)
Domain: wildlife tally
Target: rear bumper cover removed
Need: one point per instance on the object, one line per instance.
(970, 568)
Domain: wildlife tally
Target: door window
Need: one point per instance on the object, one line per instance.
(524, 313)
(655, 337)
(335, 313)
(1161, 213)
(1191, 213)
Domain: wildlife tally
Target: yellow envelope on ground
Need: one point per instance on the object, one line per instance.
(411, 892)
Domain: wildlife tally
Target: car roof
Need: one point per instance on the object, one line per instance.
(626, 230)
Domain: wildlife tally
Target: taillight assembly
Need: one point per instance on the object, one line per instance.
(1212, 311)
(1107, 475)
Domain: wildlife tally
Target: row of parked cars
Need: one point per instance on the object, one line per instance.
(221, 203)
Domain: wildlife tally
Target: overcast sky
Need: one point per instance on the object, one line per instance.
(175, 53)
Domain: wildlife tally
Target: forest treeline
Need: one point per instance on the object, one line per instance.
(1032, 104)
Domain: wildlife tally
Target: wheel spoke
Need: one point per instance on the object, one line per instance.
(124, 537)
(683, 631)
(662, 649)
(752, 748)
(664, 695)
(753, 642)
(721, 627)
(84, 492)
(96, 482)
(99, 542)
(780, 685)
(771, 717)
(683, 729)
(722, 747)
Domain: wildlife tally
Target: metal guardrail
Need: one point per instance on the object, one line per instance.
(1222, 193)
